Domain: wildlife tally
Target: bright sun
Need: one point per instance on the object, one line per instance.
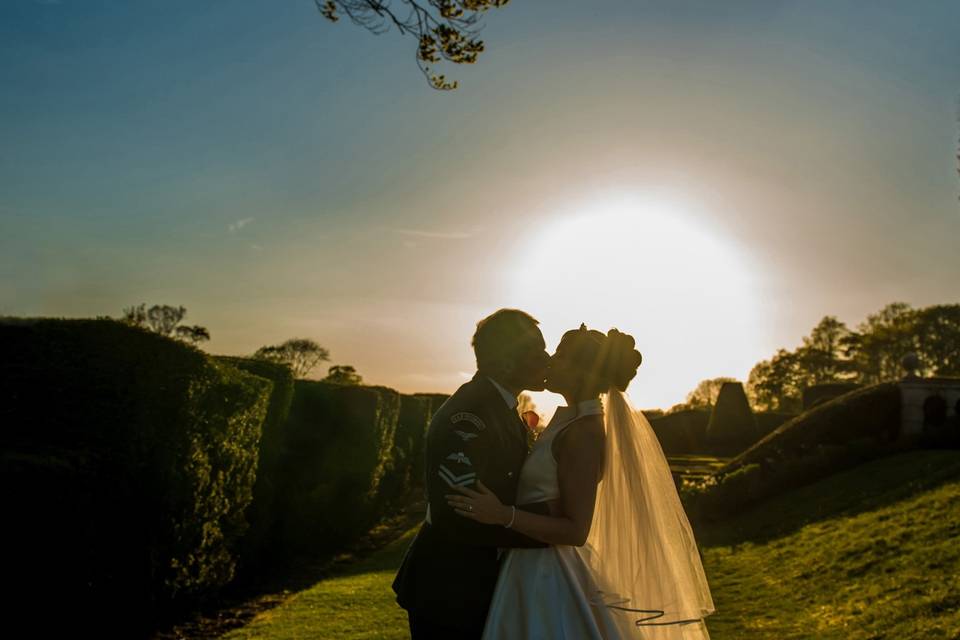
(648, 267)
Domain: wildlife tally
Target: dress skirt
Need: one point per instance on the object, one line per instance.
(543, 594)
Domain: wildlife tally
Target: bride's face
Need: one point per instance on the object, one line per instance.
(562, 373)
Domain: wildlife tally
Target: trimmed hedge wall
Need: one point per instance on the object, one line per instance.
(133, 459)
(834, 435)
(338, 441)
(870, 412)
(818, 393)
(257, 548)
(768, 421)
(148, 474)
(405, 468)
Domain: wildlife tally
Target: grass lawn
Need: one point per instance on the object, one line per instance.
(871, 553)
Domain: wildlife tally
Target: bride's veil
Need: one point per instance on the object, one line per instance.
(641, 548)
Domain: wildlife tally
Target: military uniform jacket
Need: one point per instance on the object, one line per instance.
(450, 569)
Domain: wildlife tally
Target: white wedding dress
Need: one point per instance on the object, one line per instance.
(553, 593)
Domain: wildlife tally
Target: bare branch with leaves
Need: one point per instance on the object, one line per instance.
(445, 30)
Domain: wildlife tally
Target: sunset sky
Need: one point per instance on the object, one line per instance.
(712, 177)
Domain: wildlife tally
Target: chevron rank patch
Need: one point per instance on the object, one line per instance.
(460, 457)
(454, 480)
(466, 416)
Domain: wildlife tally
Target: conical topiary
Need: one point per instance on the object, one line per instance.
(732, 426)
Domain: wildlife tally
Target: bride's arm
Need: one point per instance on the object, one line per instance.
(579, 463)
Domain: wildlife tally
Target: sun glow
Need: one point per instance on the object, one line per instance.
(653, 269)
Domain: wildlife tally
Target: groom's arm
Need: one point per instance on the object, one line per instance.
(459, 455)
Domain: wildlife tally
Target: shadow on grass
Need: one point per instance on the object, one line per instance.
(866, 487)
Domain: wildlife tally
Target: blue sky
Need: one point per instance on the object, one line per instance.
(282, 176)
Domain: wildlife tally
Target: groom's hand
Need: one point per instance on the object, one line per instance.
(481, 505)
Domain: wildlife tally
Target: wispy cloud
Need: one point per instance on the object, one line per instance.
(233, 227)
(434, 235)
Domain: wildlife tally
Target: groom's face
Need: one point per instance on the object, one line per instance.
(530, 364)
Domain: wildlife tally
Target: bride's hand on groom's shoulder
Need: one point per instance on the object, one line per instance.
(481, 505)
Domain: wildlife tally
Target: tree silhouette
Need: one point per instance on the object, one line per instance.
(343, 374)
(165, 320)
(300, 354)
(445, 30)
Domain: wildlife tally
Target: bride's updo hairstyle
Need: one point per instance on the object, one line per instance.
(607, 361)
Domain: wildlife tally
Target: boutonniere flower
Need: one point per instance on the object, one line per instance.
(531, 419)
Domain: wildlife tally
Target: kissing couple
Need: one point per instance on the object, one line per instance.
(581, 537)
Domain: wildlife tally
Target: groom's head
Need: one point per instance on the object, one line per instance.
(510, 348)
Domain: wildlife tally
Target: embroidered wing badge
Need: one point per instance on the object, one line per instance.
(460, 457)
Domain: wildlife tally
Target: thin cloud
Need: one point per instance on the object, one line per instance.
(233, 227)
(434, 235)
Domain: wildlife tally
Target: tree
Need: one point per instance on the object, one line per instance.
(881, 341)
(445, 30)
(777, 384)
(300, 354)
(937, 329)
(343, 374)
(823, 357)
(165, 320)
(705, 394)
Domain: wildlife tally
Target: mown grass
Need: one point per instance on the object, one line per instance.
(870, 553)
(356, 604)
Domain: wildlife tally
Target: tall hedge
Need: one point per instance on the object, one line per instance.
(258, 546)
(338, 443)
(131, 458)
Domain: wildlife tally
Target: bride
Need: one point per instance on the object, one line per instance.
(623, 561)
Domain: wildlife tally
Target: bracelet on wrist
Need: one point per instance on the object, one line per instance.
(513, 515)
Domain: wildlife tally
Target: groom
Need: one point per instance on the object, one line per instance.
(449, 572)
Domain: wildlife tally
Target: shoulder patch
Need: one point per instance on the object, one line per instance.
(466, 416)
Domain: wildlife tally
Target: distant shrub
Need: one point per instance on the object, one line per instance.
(732, 426)
(681, 432)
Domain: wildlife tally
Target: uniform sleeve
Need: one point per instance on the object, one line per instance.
(462, 451)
